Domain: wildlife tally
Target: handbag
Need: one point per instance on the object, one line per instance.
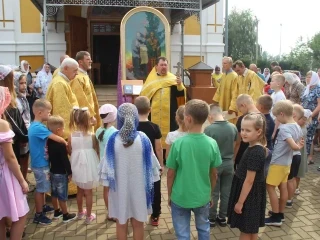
(16, 128)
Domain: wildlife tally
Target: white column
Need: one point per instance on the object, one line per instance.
(214, 26)
(175, 47)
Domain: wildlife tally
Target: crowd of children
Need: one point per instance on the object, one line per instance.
(221, 174)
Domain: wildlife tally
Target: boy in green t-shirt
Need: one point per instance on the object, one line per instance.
(191, 176)
(225, 134)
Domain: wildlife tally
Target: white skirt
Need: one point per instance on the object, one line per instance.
(84, 165)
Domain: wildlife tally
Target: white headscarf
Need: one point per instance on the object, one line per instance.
(297, 77)
(22, 67)
(314, 81)
(268, 76)
(289, 77)
(43, 72)
(4, 71)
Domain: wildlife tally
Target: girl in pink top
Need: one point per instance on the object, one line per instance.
(13, 187)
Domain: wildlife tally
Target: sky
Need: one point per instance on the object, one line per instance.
(298, 18)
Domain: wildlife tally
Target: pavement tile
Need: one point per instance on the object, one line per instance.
(302, 221)
(277, 233)
(301, 232)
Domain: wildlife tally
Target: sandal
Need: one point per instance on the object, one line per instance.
(310, 162)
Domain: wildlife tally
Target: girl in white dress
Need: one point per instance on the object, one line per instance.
(84, 160)
(131, 169)
(182, 131)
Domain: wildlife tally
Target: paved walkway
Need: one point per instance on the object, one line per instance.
(302, 221)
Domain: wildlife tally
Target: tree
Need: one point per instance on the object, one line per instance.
(242, 35)
(314, 45)
(301, 57)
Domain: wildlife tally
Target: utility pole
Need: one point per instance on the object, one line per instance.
(280, 40)
(257, 40)
(45, 54)
(226, 30)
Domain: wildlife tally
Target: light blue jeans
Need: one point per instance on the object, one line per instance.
(181, 221)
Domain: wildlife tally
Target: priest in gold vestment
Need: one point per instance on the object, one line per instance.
(227, 92)
(83, 88)
(62, 99)
(58, 69)
(216, 77)
(60, 94)
(166, 93)
(248, 81)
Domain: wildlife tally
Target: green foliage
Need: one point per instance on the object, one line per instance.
(242, 35)
(242, 45)
(314, 45)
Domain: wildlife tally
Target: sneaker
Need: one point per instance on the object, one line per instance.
(212, 222)
(47, 209)
(297, 192)
(82, 214)
(90, 219)
(69, 217)
(289, 204)
(155, 221)
(221, 221)
(270, 213)
(57, 214)
(42, 219)
(274, 220)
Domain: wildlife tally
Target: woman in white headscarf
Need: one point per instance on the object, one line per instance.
(266, 74)
(43, 80)
(311, 100)
(25, 69)
(293, 88)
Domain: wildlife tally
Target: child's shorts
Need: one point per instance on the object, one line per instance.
(294, 169)
(59, 186)
(42, 176)
(277, 174)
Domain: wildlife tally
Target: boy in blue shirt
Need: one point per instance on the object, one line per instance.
(38, 135)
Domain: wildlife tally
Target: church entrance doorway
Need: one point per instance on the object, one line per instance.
(105, 52)
(104, 37)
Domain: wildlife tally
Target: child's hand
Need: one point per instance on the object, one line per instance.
(25, 187)
(69, 178)
(211, 203)
(93, 121)
(63, 141)
(238, 208)
(301, 143)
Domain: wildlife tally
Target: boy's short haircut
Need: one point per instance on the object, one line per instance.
(283, 106)
(198, 110)
(41, 103)
(215, 109)
(244, 98)
(266, 102)
(54, 122)
(299, 110)
(279, 78)
(143, 104)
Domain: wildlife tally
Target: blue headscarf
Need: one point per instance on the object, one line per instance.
(128, 121)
